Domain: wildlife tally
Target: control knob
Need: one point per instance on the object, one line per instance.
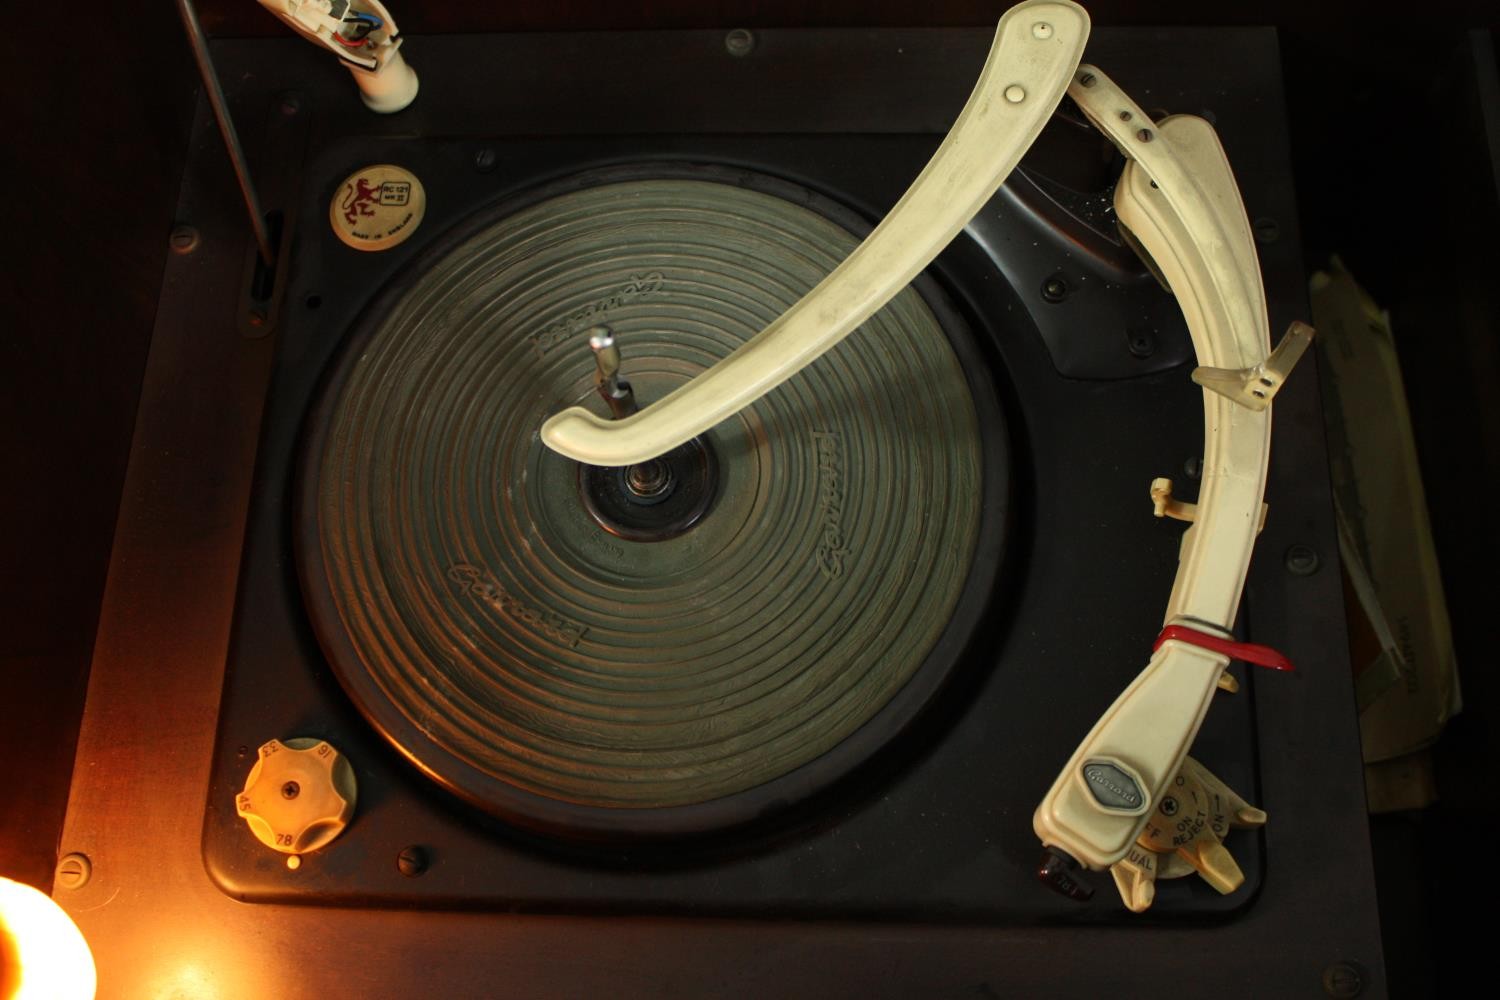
(299, 795)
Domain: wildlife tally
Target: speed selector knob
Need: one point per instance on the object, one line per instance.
(299, 795)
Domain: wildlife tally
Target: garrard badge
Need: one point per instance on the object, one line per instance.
(377, 207)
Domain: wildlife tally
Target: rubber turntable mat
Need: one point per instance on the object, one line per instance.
(526, 658)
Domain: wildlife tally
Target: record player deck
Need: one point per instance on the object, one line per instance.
(786, 705)
(823, 660)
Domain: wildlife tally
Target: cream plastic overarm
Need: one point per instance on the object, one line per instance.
(1178, 197)
(1037, 46)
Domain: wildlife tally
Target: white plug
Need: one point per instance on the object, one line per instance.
(365, 37)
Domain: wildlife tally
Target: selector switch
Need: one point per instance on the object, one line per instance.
(1185, 835)
(299, 795)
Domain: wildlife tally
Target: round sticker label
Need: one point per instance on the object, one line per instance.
(377, 207)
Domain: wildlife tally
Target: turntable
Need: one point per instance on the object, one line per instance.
(793, 685)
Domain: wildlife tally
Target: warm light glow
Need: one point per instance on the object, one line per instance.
(42, 954)
(192, 980)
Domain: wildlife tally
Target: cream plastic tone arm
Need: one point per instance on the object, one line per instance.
(1178, 197)
(1037, 46)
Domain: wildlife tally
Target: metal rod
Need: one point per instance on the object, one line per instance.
(615, 390)
(226, 126)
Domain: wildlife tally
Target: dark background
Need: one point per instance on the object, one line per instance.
(1396, 144)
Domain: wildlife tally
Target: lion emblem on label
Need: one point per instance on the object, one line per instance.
(377, 207)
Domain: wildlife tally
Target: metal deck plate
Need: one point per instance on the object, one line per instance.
(147, 760)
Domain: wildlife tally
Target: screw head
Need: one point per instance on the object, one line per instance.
(1344, 980)
(1141, 343)
(1302, 560)
(183, 240)
(1266, 230)
(1055, 288)
(485, 160)
(73, 871)
(740, 42)
(412, 861)
(290, 790)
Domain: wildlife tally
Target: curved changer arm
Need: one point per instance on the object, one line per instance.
(1037, 46)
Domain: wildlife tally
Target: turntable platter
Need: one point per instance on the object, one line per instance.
(565, 677)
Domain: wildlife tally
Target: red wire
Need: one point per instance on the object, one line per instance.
(348, 43)
(1263, 656)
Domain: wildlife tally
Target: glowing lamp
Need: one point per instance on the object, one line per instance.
(42, 953)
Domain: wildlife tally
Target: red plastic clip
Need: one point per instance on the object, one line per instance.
(1261, 656)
